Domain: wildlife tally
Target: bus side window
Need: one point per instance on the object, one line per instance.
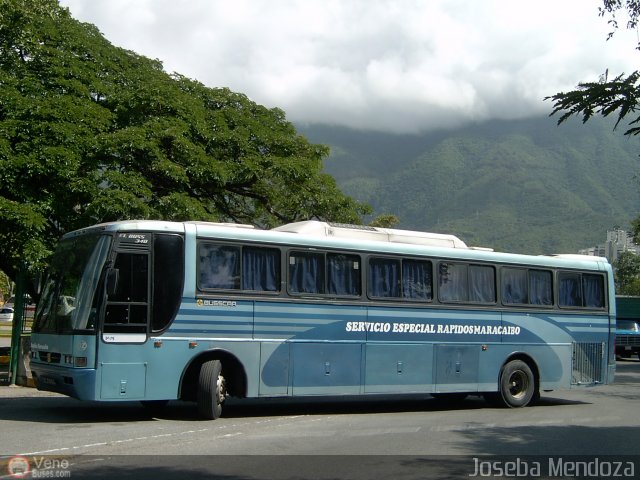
(306, 272)
(260, 269)
(482, 284)
(219, 267)
(461, 282)
(531, 287)
(593, 288)
(514, 286)
(540, 287)
(343, 275)
(417, 281)
(581, 290)
(452, 282)
(570, 290)
(384, 278)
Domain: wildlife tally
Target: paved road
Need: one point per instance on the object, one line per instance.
(288, 437)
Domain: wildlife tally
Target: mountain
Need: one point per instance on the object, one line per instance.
(527, 186)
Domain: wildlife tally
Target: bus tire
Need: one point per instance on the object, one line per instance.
(211, 390)
(517, 384)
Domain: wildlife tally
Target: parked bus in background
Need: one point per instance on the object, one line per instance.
(627, 326)
(157, 311)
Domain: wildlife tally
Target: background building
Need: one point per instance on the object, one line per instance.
(618, 241)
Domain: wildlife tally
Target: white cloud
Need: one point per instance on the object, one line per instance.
(395, 65)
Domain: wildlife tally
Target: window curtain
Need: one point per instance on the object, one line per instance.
(570, 295)
(514, 285)
(260, 268)
(384, 278)
(482, 284)
(416, 280)
(306, 273)
(343, 275)
(452, 282)
(540, 287)
(592, 286)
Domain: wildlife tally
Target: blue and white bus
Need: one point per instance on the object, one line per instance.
(156, 311)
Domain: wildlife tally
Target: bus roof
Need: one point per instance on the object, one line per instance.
(362, 238)
(376, 234)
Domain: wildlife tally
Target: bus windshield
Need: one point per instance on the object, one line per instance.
(69, 300)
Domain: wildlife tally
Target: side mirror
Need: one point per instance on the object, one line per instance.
(112, 281)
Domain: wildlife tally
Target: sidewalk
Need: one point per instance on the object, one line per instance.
(14, 391)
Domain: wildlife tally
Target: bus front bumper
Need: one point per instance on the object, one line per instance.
(77, 382)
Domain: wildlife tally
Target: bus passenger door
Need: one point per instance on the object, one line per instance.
(122, 367)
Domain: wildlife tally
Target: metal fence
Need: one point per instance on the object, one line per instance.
(587, 363)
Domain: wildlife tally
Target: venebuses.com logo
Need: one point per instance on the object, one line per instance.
(38, 467)
(18, 467)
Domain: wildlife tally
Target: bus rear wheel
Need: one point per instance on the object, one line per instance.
(212, 390)
(517, 384)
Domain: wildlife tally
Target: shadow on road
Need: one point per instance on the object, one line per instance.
(311, 467)
(58, 409)
(258, 467)
(553, 439)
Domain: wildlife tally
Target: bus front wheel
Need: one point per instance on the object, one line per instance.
(517, 384)
(211, 390)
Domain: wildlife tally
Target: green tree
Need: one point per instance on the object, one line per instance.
(618, 96)
(91, 133)
(5, 287)
(386, 220)
(627, 274)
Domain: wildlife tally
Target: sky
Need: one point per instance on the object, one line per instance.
(401, 66)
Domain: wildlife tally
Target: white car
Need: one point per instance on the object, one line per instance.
(6, 314)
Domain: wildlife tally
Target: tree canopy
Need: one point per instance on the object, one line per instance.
(611, 95)
(627, 274)
(91, 133)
